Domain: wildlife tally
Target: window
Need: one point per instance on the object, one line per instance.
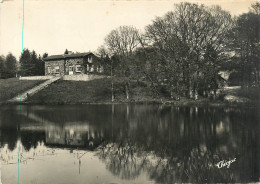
(79, 68)
(90, 68)
(57, 69)
(49, 70)
(100, 69)
(70, 68)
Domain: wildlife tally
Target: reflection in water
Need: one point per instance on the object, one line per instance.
(138, 143)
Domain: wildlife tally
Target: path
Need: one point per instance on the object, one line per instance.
(34, 90)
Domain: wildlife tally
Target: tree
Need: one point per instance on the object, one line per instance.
(40, 66)
(255, 8)
(25, 62)
(246, 39)
(123, 40)
(34, 63)
(44, 55)
(103, 53)
(121, 43)
(10, 65)
(2, 67)
(66, 51)
(182, 37)
(31, 64)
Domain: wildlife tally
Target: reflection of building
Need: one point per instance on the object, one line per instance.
(81, 136)
(65, 135)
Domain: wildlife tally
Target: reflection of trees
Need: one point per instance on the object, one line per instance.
(121, 160)
(178, 145)
(9, 137)
(31, 139)
(128, 162)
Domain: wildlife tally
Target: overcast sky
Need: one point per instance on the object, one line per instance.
(53, 25)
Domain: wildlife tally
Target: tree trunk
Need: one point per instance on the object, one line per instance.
(178, 93)
(215, 94)
(127, 90)
(112, 91)
(172, 96)
(196, 94)
(190, 93)
(112, 85)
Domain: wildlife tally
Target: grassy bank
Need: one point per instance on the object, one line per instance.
(9, 88)
(99, 91)
(95, 91)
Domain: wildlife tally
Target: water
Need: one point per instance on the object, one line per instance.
(129, 144)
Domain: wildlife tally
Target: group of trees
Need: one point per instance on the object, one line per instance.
(30, 64)
(183, 51)
(245, 43)
(8, 66)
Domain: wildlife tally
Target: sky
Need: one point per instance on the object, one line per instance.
(81, 25)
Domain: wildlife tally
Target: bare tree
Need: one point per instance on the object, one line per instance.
(121, 43)
(184, 36)
(123, 40)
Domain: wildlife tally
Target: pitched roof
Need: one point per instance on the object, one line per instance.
(65, 56)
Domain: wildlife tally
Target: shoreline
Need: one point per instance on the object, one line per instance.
(147, 102)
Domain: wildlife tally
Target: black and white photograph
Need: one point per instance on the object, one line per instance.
(129, 92)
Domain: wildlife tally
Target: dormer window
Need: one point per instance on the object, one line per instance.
(90, 59)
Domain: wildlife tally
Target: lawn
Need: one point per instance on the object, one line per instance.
(95, 91)
(11, 87)
(252, 93)
(99, 91)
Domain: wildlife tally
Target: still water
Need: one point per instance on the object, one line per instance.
(128, 144)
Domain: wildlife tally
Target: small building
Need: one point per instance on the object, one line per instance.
(73, 64)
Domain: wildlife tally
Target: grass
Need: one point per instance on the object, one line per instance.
(252, 93)
(11, 87)
(95, 91)
(99, 91)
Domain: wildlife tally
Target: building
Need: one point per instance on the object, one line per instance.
(73, 64)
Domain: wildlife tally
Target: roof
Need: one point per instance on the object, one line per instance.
(65, 56)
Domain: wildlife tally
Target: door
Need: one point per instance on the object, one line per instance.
(71, 68)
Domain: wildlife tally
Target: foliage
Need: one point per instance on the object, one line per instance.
(245, 43)
(121, 44)
(66, 51)
(183, 52)
(31, 64)
(8, 66)
(2, 67)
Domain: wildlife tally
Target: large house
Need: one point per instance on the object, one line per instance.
(73, 64)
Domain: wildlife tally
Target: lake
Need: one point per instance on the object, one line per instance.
(129, 144)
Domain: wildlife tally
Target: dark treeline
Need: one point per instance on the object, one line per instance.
(182, 52)
(29, 64)
(8, 66)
